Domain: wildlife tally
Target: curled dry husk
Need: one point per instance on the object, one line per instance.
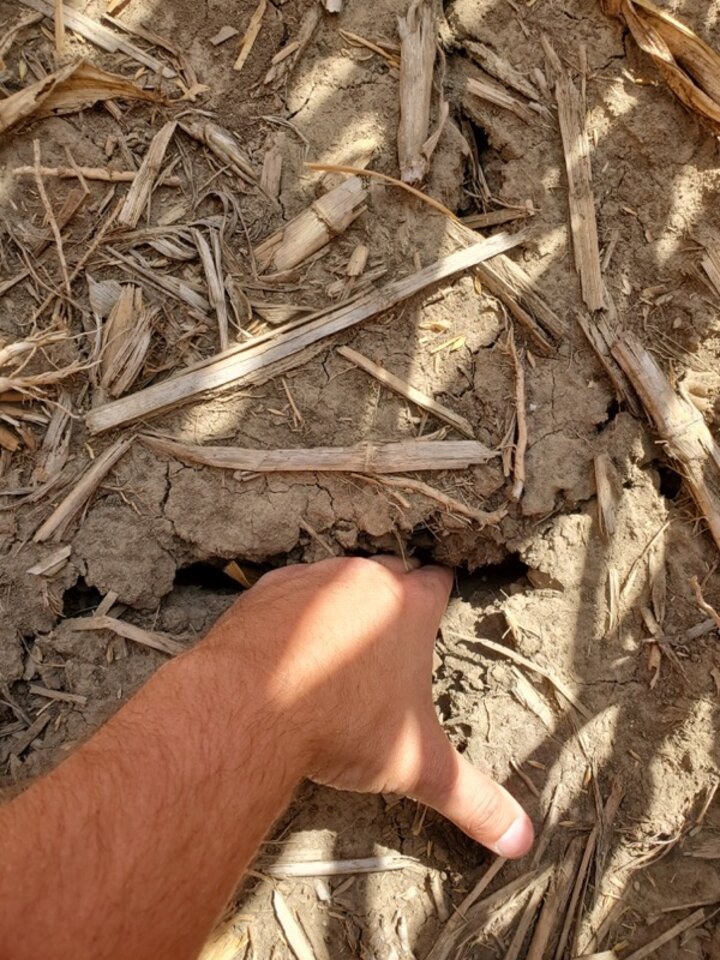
(72, 88)
(689, 66)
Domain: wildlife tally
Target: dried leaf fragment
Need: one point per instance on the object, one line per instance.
(68, 90)
(690, 67)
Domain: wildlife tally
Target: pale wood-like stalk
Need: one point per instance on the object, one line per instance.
(417, 61)
(255, 362)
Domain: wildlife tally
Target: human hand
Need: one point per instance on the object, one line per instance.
(343, 650)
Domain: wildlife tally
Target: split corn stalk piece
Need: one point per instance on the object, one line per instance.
(417, 61)
(68, 90)
(327, 217)
(501, 69)
(144, 183)
(211, 262)
(125, 341)
(100, 35)
(223, 144)
(507, 281)
(408, 391)
(146, 638)
(61, 517)
(293, 932)
(254, 364)
(493, 93)
(284, 61)
(576, 147)
(403, 457)
(689, 66)
(680, 424)
(251, 34)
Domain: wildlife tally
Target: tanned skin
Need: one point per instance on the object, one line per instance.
(134, 844)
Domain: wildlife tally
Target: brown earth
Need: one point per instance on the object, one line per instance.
(156, 530)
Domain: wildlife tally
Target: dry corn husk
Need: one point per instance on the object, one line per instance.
(125, 343)
(223, 144)
(689, 66)
(72, 88)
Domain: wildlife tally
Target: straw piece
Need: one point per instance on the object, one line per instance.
(576, 146)
(408, 391)
(99, 35)
(251, 34)
(512, 286)
(703, 604)
(606, 499)
(469, 919)
(59, 26)
(578, 888)
(495, 94)
(531, 908)
(376, 175)
(60, 695)
(68, 90)
(125, 341)
(309, 232)
(694, 920)
(223, 144)
(689, 66)
(51, 564)
(518, 658)
(417, 61)
(451, 504)
(364, 458)
(294, 934)
(216, 288)
(337, 868)
(557, 896)
(67, 510)
(682, 427)
(499, 68)
(145, 638)
(521, 440)
(102, 174)
(144, 183)
(284, 62)
(251, 363)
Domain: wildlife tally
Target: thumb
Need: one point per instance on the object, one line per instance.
(474, 802)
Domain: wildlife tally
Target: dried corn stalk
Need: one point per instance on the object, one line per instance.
(289, 347)
(63, 515)
(324, 219)
(125, 341)
(251, 34)
(403, 457)
(284, 61)
(686, 435)
(492, 92)
(101, 35)
(212, 265)
(417, 61)
(605, 496)
(689, 66)
(74, 87)
(55, 447)
(223, 144)
(576, 147)
(144, 183)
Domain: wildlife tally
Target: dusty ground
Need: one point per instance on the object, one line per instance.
(156, 530)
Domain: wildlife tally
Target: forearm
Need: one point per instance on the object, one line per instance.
(140, 837)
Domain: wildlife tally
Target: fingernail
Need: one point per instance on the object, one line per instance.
(517, 839)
